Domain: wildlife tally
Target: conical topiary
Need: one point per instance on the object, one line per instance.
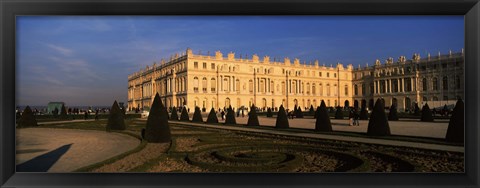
(282, 119)
(157, 129)
(115, 119)
(55, 112)
(392, 115)
(323, 120)
(311, 112)
(339, 113)
(364, 112)
(298, 112)
(197, 115)
(416, 110)
(174, 114)
(252, 117)
(269, 112)
(456, 126)
(212, 117)
(27, 119)
(426, 113)
(378, 123)
(63, 113)
(230, 117)
(184, 115)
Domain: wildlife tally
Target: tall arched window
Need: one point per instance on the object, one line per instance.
(328, 89)
(283, 88)
(424, 84)
(320, 89)
(226, 85)
(445, 83)
(204, 84)
(308, 88)
(237, 85)
(355, 89)
(335, 90)
(435, 84)
(213, 85)
(250, 86)
(195, 84)
(346, 90)
(314, 89)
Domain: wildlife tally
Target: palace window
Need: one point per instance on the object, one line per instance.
(355, 89)
(204, 65)
(195, 84)
(334, 75)
(250, 86)
(213, 66)
(328, 74)
(445, 83)
(363, 89)
(320, 89)
(457, 82)
(435, 84)
(237, 85)
(424, 84)
(320, 74)
(195, 65)
(213, 84)
(314, 89)
(204, 84)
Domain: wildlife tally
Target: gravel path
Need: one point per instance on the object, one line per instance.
(73, 148)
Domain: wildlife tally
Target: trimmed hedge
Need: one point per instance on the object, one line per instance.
(63, 113)
(393, 115)
(456, 126)
(339, 113)
(298, 112)
(197, 115)
(27, 119)
(323, 120)
(212, 117)
(174, 114)
(230, 117)
(269, 112)
(252, 117)
(282, 119)
(157, 129)
(116, 120)
(184, 116)
(426, 114)
(378, 123)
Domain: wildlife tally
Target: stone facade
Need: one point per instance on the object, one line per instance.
(219, 81)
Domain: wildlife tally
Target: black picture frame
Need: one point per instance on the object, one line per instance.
(11, 8)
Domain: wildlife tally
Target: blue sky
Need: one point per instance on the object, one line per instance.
(85, 60)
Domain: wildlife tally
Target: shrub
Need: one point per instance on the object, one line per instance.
(212, 117)
(197, 115)
(157, 129)
(426, 113)
(298, 112)
(311, 112)
(282, 119)
(393, 116)
(339, 113)
(55, 112)
(269, 112)
(184, 115)
(456, 126)
(363, 113)
(378, 123)
(230, 117)
(416, 110)
(115, 119)
(63, 113)
(323, 120)
(252, 117)
(27, 119)
(174, 115)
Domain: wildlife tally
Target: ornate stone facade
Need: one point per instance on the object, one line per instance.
(217, 81)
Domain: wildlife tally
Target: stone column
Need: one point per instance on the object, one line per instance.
(221, 83)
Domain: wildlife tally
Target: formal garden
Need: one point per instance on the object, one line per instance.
(171, 142)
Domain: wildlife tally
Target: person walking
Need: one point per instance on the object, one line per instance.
(223, 115)
(96, 115)
(350, 118)
(356, 118)
(86, 115)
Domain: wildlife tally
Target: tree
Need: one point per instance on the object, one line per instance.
(212, 117)
(282, 119)
(378, 123)
(426, 114)
(115, 119)
(174, 115)
(269, 112)
(339, 113)
(298, 112)
(363, 111)
(416, 110)
(311, 112)
(157, 129)
(184, 115)
(252, 117)
(63, 113)
(393, 116)
(197, 115)
(323, 120)
(456, 126)
(230, 118)
(27, 119)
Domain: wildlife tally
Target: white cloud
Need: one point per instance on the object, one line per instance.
(64, 51)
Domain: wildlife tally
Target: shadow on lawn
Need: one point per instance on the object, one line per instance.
(43, 162)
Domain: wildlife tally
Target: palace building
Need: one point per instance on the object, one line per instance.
(220, 81)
